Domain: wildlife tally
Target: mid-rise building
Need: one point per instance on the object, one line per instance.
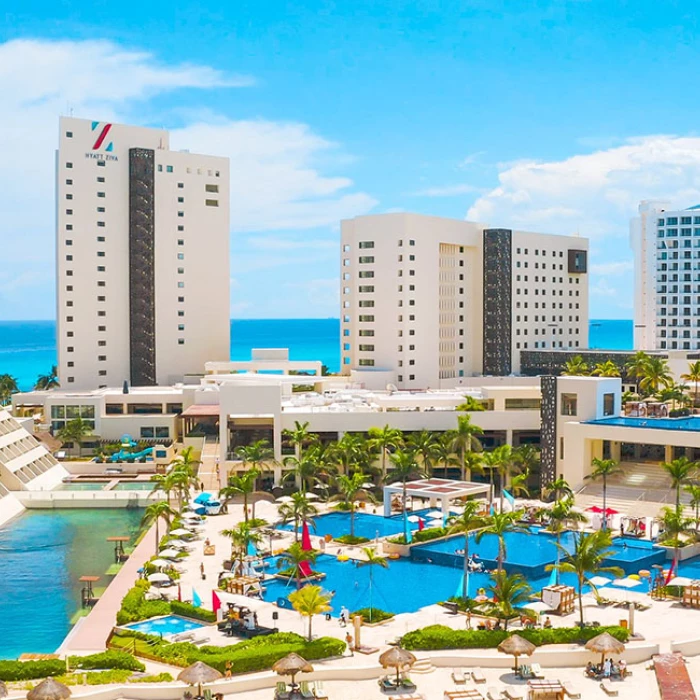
(666, 246)
(142, 245)
(430, 300)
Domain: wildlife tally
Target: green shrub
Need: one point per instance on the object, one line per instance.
(135, 607)
(155, 678)
(106, 660)
(430, 533)
(27, 670)
(377, 614)
(189, 610)
(440, 637)
(351, 539)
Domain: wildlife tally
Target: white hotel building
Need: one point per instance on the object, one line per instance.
(666, 246)
(142, 244)
(429, 300)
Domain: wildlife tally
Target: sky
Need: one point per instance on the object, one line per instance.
(554, 116)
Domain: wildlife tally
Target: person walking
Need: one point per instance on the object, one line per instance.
(349, 642)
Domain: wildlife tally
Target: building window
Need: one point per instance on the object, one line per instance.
(181, 200)
(181, 285)
(101, 163)
(211, 202)
(100, 179)
(102, 358)
(180, 256)
(366, 363)
(366, 244)
(101, 329)
(608, 404)
(180, 241)
(569, 404)
(180, 341)
(69, 165)
(181, 213)
(367, 259)
(211, 188)
(100, 239)
(169, 168)
(181, 326)
(100, 194)
(69, 211)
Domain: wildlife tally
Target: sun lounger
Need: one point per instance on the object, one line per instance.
(536, 671)
(608, 689)
(281, 691)
(318, 691)
(570, 691)
(305, 690)
(513, 693)
(458, 676)
(493, 694)
(478, 675)
(183, 637)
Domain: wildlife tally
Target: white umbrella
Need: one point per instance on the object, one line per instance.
(227, 574)
(158, 577)
(414, 518)
(599, 581)
(626, 582)
(538, 606)
(181, 532)
(189, 515)
(309, 495)
(434, 514)
(160, 562)
(169, 553)
(368, 485)
(177, 544)
(284, 499)
(457, 510)
(680, 581)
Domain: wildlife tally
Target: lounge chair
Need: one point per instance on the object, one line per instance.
(458, 676)
(607, 688)
(570, 691)
(319, 692)
(306, 691)
(387, 683)
(281, 691)
(536, 671)
(513, 693)
(493, 694)
(478, 675)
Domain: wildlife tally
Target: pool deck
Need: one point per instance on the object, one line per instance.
(92, 631)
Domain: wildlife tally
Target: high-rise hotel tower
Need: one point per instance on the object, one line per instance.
(142, 257)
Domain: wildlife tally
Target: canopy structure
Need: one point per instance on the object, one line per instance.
(441, 491)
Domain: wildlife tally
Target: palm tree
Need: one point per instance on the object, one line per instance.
(8, 386)
(350, 487)
(509, 592)
(45, 382)
(527, 457)
(294, 558)
(372, 559)
(656, 374)
(165, 483)
(153, 513)
(470, 404)
(693, 375)
(242, 537)
(518, 484)
(465, 523)
(501, 460)
(350, 452)
(186, 466)
(424, 444)
(490, 462)
(298, 510)
(604, 468)
(243, 485)
(405, 468)
(257, 454)
(636, 365)
(306, 470)
(560, 515)
(559, 488)
(444, 454)
(586, 560)
(575, 367)
(693, 490)
(385, 439)
(464, 439)
(299, 436)
(309, 601)
(675, 393)
(75, 431)
(606, 369)
(498, 525)
(675, 524)
(680, 471)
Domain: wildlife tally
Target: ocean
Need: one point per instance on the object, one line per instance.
(28, 348)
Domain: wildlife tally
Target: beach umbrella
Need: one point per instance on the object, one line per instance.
(49, 689)
(414, 518)
(599, 581)
(538, 606)
(605, 644)
(397, 658)
(178, 544)
(434, 515)
(198, 674)
(311, 496)
(681, 581)
(181, 532)
(203, 498)
(190, 515)
(626, 582)
(292, 664)
(516, 646)
(169, 553)
(159, 563)
(284, 499)
(158, 577)
(3, 690)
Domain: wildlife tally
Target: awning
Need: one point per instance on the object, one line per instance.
(201, 410)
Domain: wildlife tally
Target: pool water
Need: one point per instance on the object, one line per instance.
(42, 555)
(133, 486)
(81, 486)
(169, 624)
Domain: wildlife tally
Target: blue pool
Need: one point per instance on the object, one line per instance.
(366, 525)
(690, 423)
(169, 624)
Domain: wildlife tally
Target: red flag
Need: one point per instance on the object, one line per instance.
(670, 572)
(421, 523)
(305, 538)
(215, 602)
(179, 594)
(305, 569)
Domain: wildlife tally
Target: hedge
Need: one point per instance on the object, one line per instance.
(257, 654)
(135, 607)
(429, 533)
(107, 659)
(351, 539)
(28, 670)
(441, 637)
(189, 610)
(377, 614)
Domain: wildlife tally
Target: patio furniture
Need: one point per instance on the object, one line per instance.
(607, 687)
(545, 690)
(478, 675)
(493, 693)
(388, 684)
(281, 691)
(536, 671)
(306, 691)
(570, 691)
(467, 694)
(458, 676)
(513, 693)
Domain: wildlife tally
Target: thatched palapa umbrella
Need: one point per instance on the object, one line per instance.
(292, 664)
(198, 674)
(605, 644)
(516, 646)
(49, 689)
(397, 658)
(3, 690)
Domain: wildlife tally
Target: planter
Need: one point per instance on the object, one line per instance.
(308, 579)
(402, 550)
(687, 552)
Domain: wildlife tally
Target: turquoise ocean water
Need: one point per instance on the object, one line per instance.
(28, 348)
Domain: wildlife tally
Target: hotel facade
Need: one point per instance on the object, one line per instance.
(142, 244)
(427, 301)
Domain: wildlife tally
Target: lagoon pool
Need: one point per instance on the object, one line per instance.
(81, 486)
(133, 486)
(163, 626)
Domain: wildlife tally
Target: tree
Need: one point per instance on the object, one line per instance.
(464, 439)
(527, 457)
(257, 454)
(675, 393)
(465, 523)
(243, 485)
(498, 525)
(350, 488)
(560, 515)
(655, 375)
(575, 367)
(586, 560)
(153, 513)
(405, 468)
(680, 471)
(294, 558)
(559, 488)
(44, 382)
(187, 464)
(444, 454)
(242, 537)
(509, 592)
(606, 369)
(309, 601)
(518, 484)
(425, 444)
(675, 525)
(299, 437)
(298, 510)
(385, 439)
(693, 375)
(636, 365)
(165, 483)
(501, 460)
(470, 404)
(693, 490)
(372, 559)
(603, 469)
(8, 386)
(75, 431)
(350, 452)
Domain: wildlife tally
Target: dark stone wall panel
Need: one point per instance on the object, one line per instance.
(497, 331)
(548, 430)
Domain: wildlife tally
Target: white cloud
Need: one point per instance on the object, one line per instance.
(448, 190)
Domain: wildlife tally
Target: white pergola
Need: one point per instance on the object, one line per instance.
(435, 490)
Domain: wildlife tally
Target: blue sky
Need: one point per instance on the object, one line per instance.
(549, 116)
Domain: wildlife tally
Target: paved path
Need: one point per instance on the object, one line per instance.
(672, 677)
(207, 469)
(90, 635)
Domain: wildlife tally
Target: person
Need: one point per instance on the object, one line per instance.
(497, 626)
(591, 669)
(207, 542)
(607, 668)
(469, 619)
(228, 669)
(622, 529)
(547, 623)
(343, 619)
(201, 486)
(348, 641)
(623, 668)
(201, 571)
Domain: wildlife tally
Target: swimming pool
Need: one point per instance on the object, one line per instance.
(366, 525)
(166, 625)
(80, 486)
(133, 486)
